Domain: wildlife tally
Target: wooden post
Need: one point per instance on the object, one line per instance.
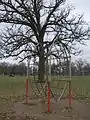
(70, 89)
(27, 91)
(70, 95)
(49, 91)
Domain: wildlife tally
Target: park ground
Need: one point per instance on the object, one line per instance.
(13, 107)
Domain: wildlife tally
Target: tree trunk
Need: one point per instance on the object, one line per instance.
(41, 66)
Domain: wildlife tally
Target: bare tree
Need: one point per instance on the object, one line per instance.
(80, 66)
(39, 27)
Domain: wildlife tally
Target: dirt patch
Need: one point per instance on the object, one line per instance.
(37, 110)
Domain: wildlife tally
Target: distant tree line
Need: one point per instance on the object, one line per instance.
(12, 69)
(79, 67)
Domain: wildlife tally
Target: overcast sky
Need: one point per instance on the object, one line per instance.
(82, 6)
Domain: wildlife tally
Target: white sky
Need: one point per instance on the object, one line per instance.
(81, 6)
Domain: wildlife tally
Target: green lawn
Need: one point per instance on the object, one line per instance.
(81, 87)
(11, 85)
(12, 89)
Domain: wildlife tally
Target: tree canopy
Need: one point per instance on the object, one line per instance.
(40, 28)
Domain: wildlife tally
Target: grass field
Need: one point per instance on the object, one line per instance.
(12, 89)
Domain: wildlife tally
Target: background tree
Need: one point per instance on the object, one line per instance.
(86, 69)
(74, 69)
(80, 65)
(12, 69)
(38, 27)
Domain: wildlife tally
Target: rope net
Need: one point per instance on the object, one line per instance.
(56, 72)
